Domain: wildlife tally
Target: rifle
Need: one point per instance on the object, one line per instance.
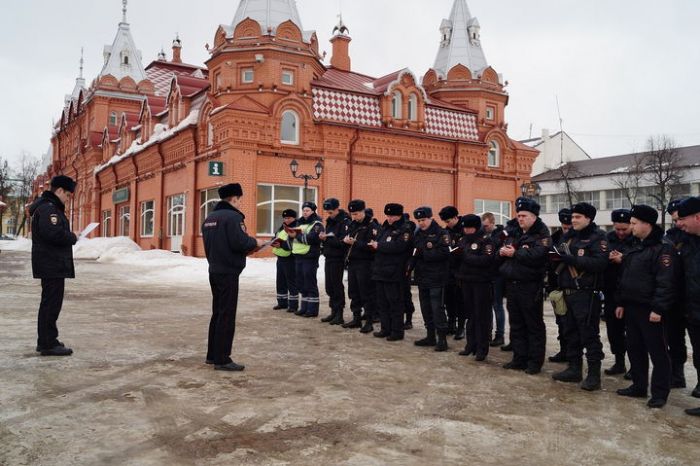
(347, 255)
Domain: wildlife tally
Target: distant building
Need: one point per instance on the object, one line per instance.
(555, 150)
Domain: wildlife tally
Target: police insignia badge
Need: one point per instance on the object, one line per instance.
(488, 249)
(604, 246)
(430, 245)
(54, 219)
(406, 236)
(581, 252)
(475, 247)
(388, 239)
(526, 246)
(666, 260)
(374, 232)
(446, 239)
(545, 242)
(243, 227)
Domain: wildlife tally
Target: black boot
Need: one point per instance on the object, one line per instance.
(508, 347)
(592, 382)
(408, 325)
(459, 334)
(677, 376)
(429, 340)
(442, 342)
(330, 317)
(354, 323)
(497, 341)
(618, 367)
(572, 374)
(559, 357)
(338, 319)
(368, 327)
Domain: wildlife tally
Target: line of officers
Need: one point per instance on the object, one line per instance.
(644, 282)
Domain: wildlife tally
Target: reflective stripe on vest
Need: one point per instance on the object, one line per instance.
(299, 248)
(279, 252)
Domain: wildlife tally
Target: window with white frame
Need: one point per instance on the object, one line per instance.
(288, 77)
(273, 199)
(499, 209)
(124, 219)
(494, 158)
(247, 75)
(413, 107)
(490, 113)
(147, 218)
(113, 119)
(106, 223)
(176, 215)
(207, 201)
(396, 104)
(290, 128)
(616, 199)
(591, 197)
(558, 202)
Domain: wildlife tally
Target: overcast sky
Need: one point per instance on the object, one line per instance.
(622, 70)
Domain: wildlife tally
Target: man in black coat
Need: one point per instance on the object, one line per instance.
(226, 244)
(409, 307)
(619, 241)
(645, 297)
(497, 235)
(584, 257)
(392, 246)
(689, 222)
(553, 283)
(523, 266)
(334, 251)
(456, 312)
(429, 261)
(52, 260)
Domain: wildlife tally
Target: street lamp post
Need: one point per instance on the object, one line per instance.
(294, 167)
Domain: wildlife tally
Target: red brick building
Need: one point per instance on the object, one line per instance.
(150, 146)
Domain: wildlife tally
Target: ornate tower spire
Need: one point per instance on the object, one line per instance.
(461, 42)
(124, 4)
(82, 62)
(122, 58)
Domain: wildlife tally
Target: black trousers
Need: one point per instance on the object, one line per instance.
(307, 282)
(334, 284)
(694, 333)
(477, 298)
(52, 291)
(675, 336)
(409, 307)
(456, 312)
(561, 332)
(644, 340)
(432, 307)
(390, 307)
(361, 289)
(222, 326)
(528, 334)
(582, 327)
(615, 327)
(287, 291)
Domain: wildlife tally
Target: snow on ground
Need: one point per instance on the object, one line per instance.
(19, 244)
(93, 249)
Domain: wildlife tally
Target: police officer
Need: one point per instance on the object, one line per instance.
(334, 251)
(287, 292)
(584, 257)
(645, 297)
(676, 322)
(392, 246)
(361, 290)
(523, 266)
(456, 312)
(307, 249)
(52, 260)
(475, 275)
(495, 233)
(619, 241)
(226, 244)
(409, 307)
(689, 221)
(431, 251)
(552, 283)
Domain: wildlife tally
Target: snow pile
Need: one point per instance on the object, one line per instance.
(93, 249)
(19, 244)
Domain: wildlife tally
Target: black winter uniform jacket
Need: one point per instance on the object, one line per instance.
(690, 258)
(478, 258)
(455, 257)
(333, 247)
(226, 241)
(648, 274)
(52, 240)
(364, 232)
(530, 260)
(394, 246)
(589, 256)
(613, 271)
(432, 251)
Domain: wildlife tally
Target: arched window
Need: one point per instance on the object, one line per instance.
(494, 154)
(210, 133)
(413, 107)
(290, 128)
(113, 119)
(396, 103)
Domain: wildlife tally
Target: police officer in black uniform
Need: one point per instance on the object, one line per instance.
(306, 248)
(553, 283)
(645, 297)
(619, 240)
(475, 274)
(584, 258)
(361, 289)
(409, 307)
(52, 260)
(523, 266)
(286, 284)
(689, 221)
(456, 312)
(392, 246)
(226, 243)
(431, 252)
(334, 251)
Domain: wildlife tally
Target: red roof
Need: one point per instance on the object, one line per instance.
(160, 73)
(190, 85)
(156, 103)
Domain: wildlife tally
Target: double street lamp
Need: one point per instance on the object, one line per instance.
(294, 167)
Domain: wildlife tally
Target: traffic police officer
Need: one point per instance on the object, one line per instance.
(581, 279)
(456, 312)
(524, 261)
(334, 251)
(552, 283)
(52, 260)
(307, 249)
(226, 244)
(287, 292)
(645, 297)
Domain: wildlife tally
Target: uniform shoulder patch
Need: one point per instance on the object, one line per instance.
(546, 242)
(243, 227)
(666, 260)
(54, 219)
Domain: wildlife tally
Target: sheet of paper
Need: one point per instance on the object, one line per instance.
(88, 229)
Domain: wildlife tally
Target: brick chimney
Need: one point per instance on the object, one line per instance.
(341, 47)
(177, 49)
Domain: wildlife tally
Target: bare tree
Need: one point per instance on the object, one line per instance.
(630, 179)
(25, 174)
(5, 187)
(662, 169)
(569, 174)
